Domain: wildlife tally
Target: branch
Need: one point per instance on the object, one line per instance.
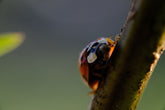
(134, 59)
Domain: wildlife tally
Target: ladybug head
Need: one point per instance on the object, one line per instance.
(98, 50)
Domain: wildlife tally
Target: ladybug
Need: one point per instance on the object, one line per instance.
(93, 61)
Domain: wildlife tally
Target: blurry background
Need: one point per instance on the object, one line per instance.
(42, 74)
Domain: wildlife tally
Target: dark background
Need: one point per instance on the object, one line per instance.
(42, 74)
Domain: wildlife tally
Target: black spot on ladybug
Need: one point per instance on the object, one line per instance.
(81, 58)
(96, 43)
(84, 77)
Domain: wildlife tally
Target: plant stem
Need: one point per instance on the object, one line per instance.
(134, 59)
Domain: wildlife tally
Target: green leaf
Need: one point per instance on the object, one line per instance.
(10, 41)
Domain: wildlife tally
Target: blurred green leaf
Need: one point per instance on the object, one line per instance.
(10, 41)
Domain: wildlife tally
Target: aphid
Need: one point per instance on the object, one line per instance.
(93, 60)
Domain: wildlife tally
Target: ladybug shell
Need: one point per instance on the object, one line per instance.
(93, 61)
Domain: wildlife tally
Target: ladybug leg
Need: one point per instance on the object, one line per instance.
(117, 37)
(98, 75)
(102, 76)
(101, 67)
(91, 93)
